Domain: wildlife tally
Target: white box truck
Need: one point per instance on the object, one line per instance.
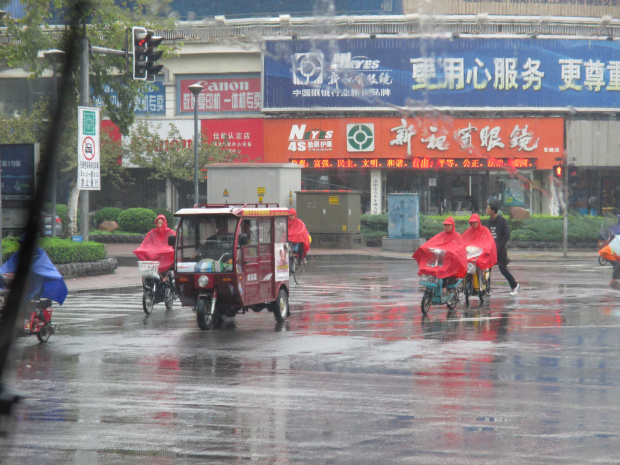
(253, 183)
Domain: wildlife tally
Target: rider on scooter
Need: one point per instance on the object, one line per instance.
(480, 236)
(455, 259)
(45, 281)
(155, 246)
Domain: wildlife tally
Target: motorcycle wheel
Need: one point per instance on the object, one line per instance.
(280, 306)
(44, 333)
(427, 299)
(453, 299)
(205, 320)
(168, 297)
(602, 261)
(147, 301)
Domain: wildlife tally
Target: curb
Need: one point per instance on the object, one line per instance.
(105, 290)
(83, 269)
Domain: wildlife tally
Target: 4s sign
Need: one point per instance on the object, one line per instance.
(89, 165)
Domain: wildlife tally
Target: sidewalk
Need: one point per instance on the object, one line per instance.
(126, 276)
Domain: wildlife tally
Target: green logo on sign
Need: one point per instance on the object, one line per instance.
(361, 137)
(89, 123)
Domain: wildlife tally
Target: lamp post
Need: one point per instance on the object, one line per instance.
(196, 89)
(55, 58)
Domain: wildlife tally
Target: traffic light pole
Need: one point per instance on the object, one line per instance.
(565, 209)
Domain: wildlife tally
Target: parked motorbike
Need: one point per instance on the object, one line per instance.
(439, 291)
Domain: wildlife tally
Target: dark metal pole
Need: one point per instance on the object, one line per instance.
(53, 167)
(196, 196)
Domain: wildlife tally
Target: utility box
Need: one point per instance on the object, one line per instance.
(403, 223)
(253, 183)
(404, 216)
(333, 218)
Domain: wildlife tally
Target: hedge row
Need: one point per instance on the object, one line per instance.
(541, 228)
(60, 251)
(133, 220)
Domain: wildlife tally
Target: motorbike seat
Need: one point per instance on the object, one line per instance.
(44, 303)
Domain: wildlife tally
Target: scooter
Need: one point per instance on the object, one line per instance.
(439, 291)
(476, 281)
(39, 321)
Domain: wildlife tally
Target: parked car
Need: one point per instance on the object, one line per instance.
(47, 225)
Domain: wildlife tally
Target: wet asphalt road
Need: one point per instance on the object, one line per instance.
(355, 376)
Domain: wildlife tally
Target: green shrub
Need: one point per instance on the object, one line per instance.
(63, 251)
(60, 251)
(107, 214)
(168, 214)
(374, 225)
(137, 220)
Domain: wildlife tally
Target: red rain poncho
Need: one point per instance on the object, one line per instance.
(454, 262)
(155, 246)
(297, 231)
(481, 237)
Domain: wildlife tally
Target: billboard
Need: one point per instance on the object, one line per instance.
(464, 73)
(19, 163)
(424, 143)
(152, 102)
(231, 94)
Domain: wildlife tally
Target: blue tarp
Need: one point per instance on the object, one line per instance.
(45, 277)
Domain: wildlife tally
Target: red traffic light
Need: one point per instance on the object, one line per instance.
(558, 171)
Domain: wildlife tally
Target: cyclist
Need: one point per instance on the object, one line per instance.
(298, 235)
(454, 259)
(155, 246)
(480, 236)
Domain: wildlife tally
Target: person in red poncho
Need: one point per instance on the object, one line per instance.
(298, 234)
(453, 264)
(155, 246)
(478, 235)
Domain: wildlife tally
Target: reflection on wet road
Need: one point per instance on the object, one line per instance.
(356, 375)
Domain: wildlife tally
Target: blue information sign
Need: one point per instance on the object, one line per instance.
(152, 102)
(463, 73)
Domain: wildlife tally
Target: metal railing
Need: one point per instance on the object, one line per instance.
(399, 25)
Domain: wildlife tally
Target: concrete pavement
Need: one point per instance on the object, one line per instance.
(126, 275)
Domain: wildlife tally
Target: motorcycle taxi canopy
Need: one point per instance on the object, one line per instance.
(482, 238)
(443, 255)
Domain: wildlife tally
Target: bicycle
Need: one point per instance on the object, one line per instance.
(296, 265)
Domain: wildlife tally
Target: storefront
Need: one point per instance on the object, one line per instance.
(455, 164)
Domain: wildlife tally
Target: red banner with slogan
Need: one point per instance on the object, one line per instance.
(416, 143)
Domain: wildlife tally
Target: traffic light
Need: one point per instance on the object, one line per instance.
(572, 171)
(558, 171)
(144, 54)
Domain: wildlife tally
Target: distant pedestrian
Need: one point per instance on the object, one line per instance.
(501, 233)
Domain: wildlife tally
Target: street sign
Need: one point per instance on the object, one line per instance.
(89, 165)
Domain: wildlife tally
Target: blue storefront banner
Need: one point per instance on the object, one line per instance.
(152, 102)
(18, 163)
(525, 74)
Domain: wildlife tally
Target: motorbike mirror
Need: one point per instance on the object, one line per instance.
(243, 239)
(171, 240)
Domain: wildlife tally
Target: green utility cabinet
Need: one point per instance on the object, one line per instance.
(330, 212)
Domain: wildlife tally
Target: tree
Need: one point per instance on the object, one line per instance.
(31, 127)
(172, 162)
(105, 25)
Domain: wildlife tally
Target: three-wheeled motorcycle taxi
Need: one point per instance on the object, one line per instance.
(231, 258)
